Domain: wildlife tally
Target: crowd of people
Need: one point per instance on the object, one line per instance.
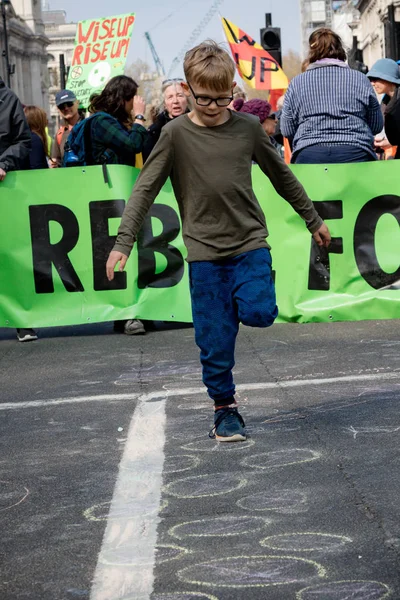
(330, 113)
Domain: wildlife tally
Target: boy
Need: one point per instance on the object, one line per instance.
(208, 155)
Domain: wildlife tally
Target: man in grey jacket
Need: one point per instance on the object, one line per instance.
(15, 135)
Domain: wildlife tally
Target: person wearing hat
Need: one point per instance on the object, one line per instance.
(68, 105)
(385, 79)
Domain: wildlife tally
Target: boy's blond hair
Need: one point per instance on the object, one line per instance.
(210, 66)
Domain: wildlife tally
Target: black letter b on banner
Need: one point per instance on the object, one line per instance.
(45, 253)
(148, 245)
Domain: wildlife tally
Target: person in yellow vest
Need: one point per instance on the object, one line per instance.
(68, 106)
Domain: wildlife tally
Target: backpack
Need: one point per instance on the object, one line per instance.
(78, 147)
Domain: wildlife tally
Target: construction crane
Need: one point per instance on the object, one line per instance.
(156, 58)
(195, 34)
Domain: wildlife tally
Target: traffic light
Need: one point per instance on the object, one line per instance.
(271, 40)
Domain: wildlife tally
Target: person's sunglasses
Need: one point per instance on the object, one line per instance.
(66, 105)
(206, 100)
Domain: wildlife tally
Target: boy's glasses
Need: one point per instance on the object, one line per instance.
(206, 100)
(66, 105)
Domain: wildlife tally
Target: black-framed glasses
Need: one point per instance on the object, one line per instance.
(66, 105)
(222, 102)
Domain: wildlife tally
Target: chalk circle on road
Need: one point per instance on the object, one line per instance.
(219, 527)
(252, 572)
(203, 486)
(11, 494)
(280, 500)
(281, 458)
(101, 512)
(167, 552)
(182, 596)
(305, 542)
(342, 590)
(212, 446)
(180, 463)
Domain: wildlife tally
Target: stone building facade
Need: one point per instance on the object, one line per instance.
(27, 44)
(62, 39)
(379, 29)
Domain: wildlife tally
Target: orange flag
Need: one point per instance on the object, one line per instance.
(254, 64)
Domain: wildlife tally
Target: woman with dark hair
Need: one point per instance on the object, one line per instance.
(117, 134)
(37, 121)
(330, 112)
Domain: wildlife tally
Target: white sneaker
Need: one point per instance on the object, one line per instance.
(26, 335)
(134, 327)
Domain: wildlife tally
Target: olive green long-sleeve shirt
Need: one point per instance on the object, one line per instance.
(210, 170)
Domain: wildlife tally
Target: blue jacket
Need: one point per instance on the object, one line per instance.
(331, 105)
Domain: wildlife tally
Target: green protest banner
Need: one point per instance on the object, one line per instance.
(101, 48)
(58, 226)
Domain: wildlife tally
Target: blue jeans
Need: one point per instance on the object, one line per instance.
(314, 155)
(225, 293)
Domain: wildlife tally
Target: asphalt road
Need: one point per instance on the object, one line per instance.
(110, 488)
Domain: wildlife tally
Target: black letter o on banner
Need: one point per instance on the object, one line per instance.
(364, 241)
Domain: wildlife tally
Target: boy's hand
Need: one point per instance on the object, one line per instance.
(114, 258)
(322, 236)
(2, 174)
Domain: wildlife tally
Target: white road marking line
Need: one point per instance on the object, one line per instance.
(72, 400)
(127, 556)
(201, 390)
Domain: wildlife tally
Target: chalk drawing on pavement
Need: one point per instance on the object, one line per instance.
(305, 542)
(100, 512)
(373, 429)
(174, 596)
(180, 463)
(182, 596)
(194, 405)
(228, 525)
(12, 495)
(201, 486)
(252, 572)
(345, 590)
(211, 446)
(167, 552)
(122, 554)
(281, 458)
(285, 501)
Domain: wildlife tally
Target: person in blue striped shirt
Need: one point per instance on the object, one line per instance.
(331, 112)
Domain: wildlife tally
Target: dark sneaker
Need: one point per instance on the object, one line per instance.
(26, 335)
(228, 426)
(134, 327)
